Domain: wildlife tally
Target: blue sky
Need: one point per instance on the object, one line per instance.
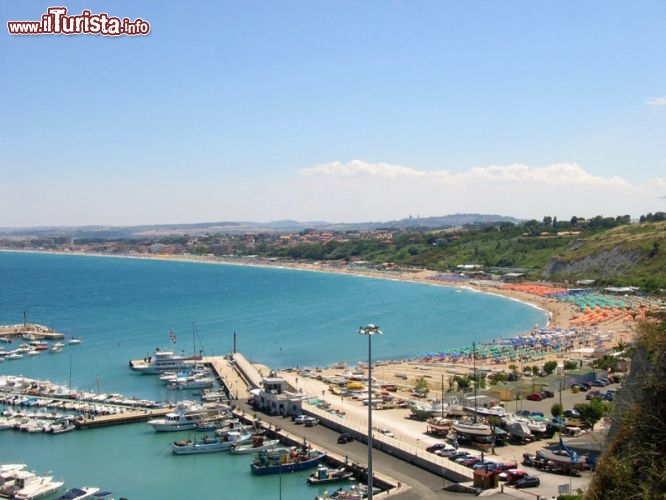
(339, 110)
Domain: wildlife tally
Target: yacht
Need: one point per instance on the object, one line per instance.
(162, 361)
(185, 417)
(29, 486)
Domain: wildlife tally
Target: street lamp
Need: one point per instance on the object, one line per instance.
(369, 330)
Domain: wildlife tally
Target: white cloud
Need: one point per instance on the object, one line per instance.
(656, 101)
(362, 191)
(358, 168)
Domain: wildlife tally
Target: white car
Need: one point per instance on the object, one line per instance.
(446, 452)
(386, 432)
(310, 421)
(300, 419)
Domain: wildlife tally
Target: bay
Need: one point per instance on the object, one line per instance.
(123, 309)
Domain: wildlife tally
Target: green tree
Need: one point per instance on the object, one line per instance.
(570, 365)
(556, 410)
(549, 367)
(593, 411)
(421, 386)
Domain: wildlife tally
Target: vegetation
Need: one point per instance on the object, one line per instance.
(634, 463)
(593, 411)
(549, 367)
(421, 386)
(556, 410)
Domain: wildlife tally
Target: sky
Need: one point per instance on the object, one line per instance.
(334, 110)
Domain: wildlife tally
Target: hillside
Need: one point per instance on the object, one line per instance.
(629, 254)
(633, 465)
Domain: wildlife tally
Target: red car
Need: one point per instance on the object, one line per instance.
(535, 396)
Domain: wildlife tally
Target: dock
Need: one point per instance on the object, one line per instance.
(29, 331)
(128, 417)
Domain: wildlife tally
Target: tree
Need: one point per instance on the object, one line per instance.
(570, 365)
(549, 367)
(463, 382)
(536, 370)
(592, 412)
(421, 386)
(556, 410)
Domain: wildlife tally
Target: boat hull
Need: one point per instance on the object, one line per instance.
(288, 467)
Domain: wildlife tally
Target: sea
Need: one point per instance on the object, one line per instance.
(123, 308)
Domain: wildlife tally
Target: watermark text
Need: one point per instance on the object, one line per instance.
(56, 22)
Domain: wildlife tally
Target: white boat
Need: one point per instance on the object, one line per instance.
(208, 444)
(79, 493)
(29, 486)
(257, 443)
(472, 428)
(183, 418)
(191, 383)
(162, 361)
(74, 341)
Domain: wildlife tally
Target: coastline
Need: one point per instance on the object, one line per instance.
(559, 314)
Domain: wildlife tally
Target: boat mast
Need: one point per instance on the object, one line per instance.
(474, 364)
(442, 400)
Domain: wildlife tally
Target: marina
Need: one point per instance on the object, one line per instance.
(83, 369)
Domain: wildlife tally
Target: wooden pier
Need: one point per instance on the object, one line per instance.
(127, 417)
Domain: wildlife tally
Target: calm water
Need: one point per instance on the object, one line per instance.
(122, 309)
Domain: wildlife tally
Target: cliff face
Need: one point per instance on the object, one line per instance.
(607, 263)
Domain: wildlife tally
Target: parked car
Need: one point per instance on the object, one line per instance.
(511, 476)
(592, 394)
(486, 465)
(437, 446)
(609, 395)
(310, 421)
(458, 455)
(571, 414)
(446, 452)
(535, 396)
(300, 419)
(345, 437)
(600, 383)
(528, 482)
(547, 393)
(386, 432)
(584, 386)
(503, 466)
(471, 461)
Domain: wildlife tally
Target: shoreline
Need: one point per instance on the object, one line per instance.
(424, 277)
(559, 313)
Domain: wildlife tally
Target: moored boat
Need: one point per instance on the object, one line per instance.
(324, 475)
(208, 444)
(256, 444)
(79, 493)
(279, 460)
(184, 418)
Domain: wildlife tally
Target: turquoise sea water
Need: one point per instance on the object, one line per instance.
(122, 309)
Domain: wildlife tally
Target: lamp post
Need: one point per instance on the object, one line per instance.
(369, 330)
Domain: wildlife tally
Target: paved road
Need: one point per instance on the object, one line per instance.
(426, 485)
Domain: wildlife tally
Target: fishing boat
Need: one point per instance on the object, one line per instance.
(324, 475)
(439, 426)
(257, 444)
(79, 493)
(279, 460)
(209, 444)
(184, 418)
